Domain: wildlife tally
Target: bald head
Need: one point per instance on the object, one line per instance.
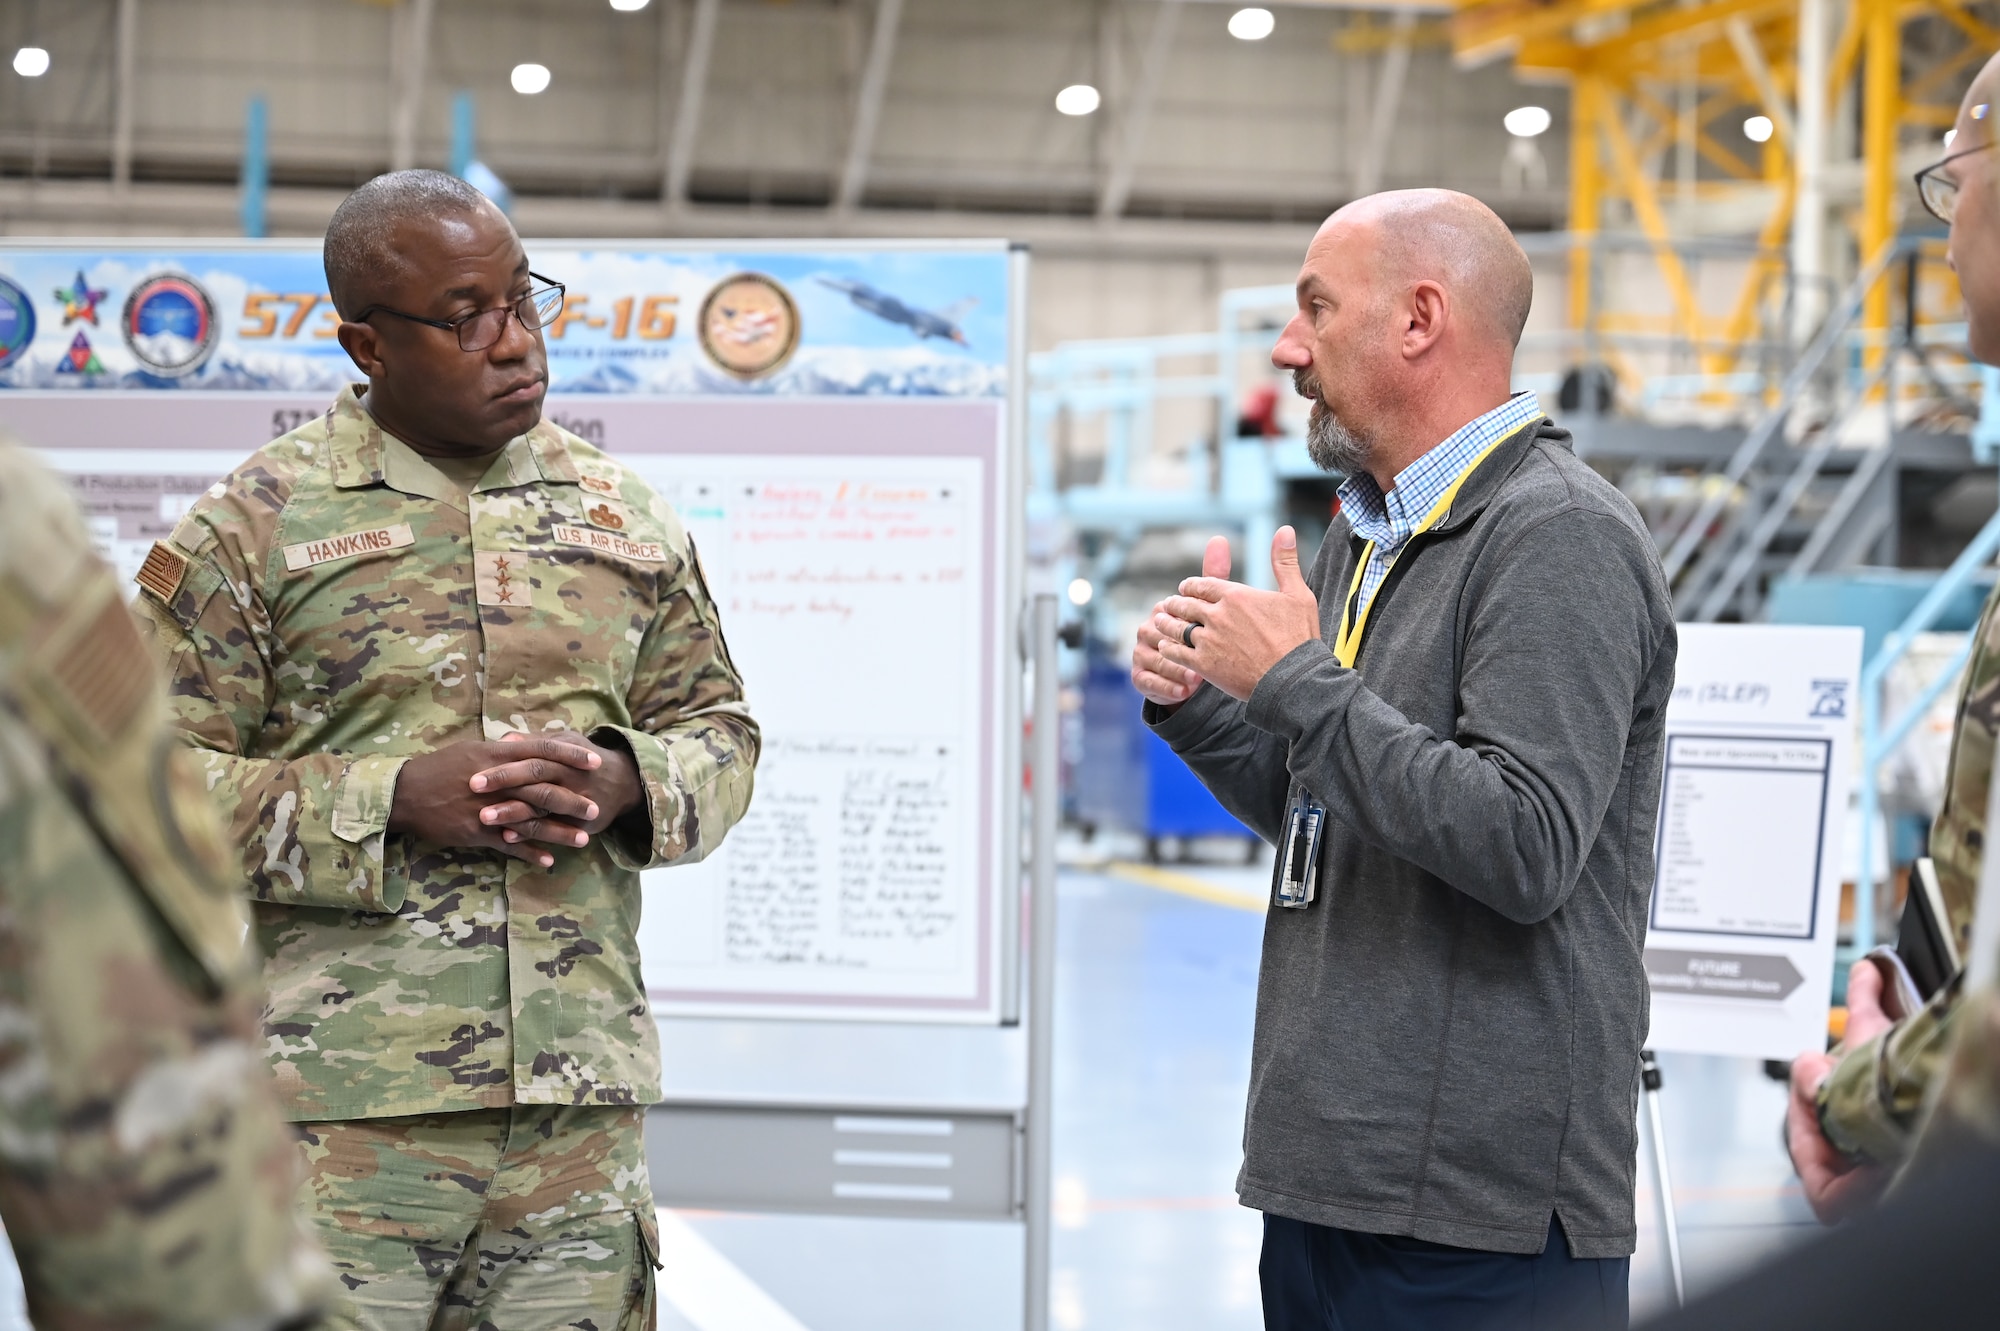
(1975, 111)
(363, 256)
(1411, 304)
(1454, 240)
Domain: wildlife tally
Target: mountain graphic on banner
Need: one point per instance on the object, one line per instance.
(80, 358)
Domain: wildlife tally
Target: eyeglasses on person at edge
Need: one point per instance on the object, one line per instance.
(481, 329)
(1938, 190)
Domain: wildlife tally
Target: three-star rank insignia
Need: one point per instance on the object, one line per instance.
(501, 578)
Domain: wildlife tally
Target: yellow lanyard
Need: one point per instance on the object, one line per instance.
(1347, 642)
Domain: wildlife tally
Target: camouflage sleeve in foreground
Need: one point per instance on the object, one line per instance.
(692, 736)
(146, 1179)
(1967, 1106)
(312, 828)
(1872, 1103)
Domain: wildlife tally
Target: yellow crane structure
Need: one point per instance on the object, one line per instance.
(1855, 95)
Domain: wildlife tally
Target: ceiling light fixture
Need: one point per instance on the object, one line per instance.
(629, 6)
(529, 79)
(1524, 122)
(1078, 99)
(1251, 25)
(31, 62)
(1757, 129)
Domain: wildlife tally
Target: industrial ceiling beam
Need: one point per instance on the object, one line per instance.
(1388, 97)
(673, 34)
(1371, 6)
(868, 105)
(1485, 30)
(687, 115)
(1137, 119)
(1776, 105)
(91, 207)
(409, 58)
(1557, 40)
(124, 92)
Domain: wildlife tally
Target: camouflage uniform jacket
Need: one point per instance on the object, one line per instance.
(146, 1177)
(331, 608)
(1871, 1105)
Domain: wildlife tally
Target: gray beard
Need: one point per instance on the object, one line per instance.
(1332, 446)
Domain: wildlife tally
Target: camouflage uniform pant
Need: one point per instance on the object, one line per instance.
(531, 1218)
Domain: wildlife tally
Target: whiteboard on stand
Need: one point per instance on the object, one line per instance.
(862, 601)
(1753, 802)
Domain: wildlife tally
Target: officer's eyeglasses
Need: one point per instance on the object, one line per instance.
(480, 330)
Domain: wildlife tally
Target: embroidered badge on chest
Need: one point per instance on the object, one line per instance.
(643, 552)
(307, 554)
(603, 485)
(610, 516)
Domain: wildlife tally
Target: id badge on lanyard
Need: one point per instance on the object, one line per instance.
(1298, 874)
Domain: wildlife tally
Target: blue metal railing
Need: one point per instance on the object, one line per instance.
(1119, 380)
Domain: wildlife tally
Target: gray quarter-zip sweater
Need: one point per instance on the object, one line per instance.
(1447, 1042)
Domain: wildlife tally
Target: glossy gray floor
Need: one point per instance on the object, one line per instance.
(1156, 988)
(1157, 980)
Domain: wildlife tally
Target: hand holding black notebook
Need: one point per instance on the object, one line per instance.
(1925, 958)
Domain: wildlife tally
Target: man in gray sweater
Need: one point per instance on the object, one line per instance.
(1452, 731)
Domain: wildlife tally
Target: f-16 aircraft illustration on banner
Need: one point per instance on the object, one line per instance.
(924, 323)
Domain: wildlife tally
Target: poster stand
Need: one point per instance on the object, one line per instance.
(1649, 1076)
(1045, 773)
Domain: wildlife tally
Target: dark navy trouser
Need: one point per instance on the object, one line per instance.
(1317, 1278)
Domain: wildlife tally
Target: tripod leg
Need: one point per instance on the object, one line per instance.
(1649, 1075)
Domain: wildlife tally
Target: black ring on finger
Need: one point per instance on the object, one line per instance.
(1187, 637)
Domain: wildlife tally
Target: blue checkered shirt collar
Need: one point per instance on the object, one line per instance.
(1390, 520)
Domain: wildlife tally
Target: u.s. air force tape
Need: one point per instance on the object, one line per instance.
(645, 552)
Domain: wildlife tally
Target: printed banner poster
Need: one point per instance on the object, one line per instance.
(853, 321)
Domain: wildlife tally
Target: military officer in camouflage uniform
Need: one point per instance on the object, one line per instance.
(146, 1177)
(455, 677)
(1854, 1120)
(1968, 1101)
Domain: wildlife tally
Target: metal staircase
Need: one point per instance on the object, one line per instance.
(1811, 487)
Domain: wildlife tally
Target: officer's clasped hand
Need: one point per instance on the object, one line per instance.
(564, 798)
(504, 795)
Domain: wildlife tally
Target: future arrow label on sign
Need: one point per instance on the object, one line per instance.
(1726, 975)
(1753, 802)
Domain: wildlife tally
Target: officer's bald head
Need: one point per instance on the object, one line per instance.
(1455, 240)
(365, 242)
